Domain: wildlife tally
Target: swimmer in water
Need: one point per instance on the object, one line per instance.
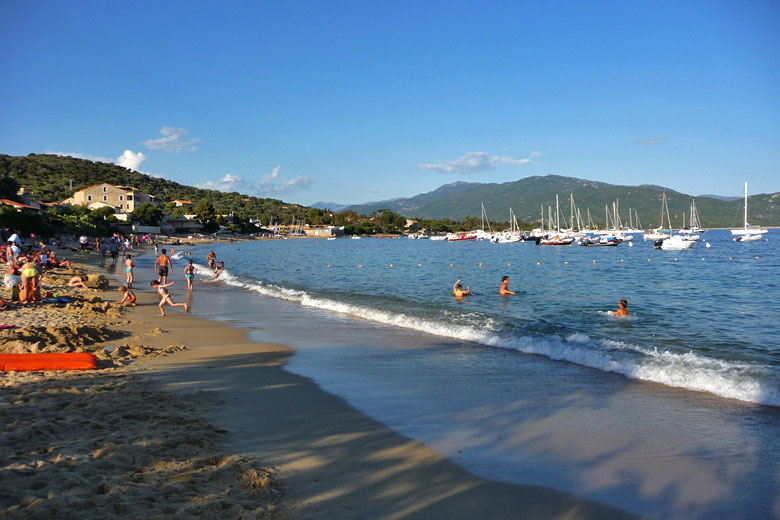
(457, 290)
(622, 309)
(504, 290)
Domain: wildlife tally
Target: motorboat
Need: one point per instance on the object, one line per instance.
(673, 243)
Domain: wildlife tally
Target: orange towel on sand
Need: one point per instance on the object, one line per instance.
(28, 362)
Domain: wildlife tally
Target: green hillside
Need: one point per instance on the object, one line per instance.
(527, 196)
(50, 178)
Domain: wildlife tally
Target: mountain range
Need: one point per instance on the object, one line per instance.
(528, 196)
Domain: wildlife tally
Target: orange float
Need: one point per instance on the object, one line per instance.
(53, 361)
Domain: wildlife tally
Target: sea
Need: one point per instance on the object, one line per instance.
(671, 412)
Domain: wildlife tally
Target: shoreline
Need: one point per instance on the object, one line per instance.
(332, 459)
(187, 417)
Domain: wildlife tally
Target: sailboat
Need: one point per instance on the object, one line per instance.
(510, 235)
(481, 234)
(671, 241)
(748, 233)
(659, 232)
(694, 225)
(558, 238)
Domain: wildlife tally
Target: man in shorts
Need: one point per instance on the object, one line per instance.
(162, 265)
(113, 247)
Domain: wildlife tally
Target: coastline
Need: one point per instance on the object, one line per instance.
(333, 459)
(328, 459)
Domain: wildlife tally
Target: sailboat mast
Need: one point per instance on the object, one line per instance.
(746, 205)
(557, 215)
(571, 212)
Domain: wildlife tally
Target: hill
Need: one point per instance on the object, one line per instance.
(527, 196)
(50, 178)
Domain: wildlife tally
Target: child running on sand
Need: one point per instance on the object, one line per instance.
(128, 298)
(622, 309)
(189, 272)
(129, 264)
(165, 296)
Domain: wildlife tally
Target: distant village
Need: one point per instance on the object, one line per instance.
(123, 200)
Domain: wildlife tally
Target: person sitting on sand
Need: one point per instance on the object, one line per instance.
(457, 290)
(622, 309)
(54, 263)
(189, 272)
(504, 290)
(218, 270)
(78, 281)
(162, 264)
(128, 298)
(166, 296)
(129, 264)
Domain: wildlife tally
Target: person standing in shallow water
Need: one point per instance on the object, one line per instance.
(162, 264)
(457, 290)
(504, 290)
(189, 272)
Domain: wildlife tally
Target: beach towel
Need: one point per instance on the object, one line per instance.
(54, 361)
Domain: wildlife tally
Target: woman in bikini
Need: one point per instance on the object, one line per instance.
(189, 272)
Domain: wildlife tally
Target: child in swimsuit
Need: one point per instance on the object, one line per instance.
(166, 297)
(128, 298)
(129, 264)
(218, 269)
(622, 310)
(189, 272)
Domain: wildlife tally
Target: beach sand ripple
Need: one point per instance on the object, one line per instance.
(90, 445)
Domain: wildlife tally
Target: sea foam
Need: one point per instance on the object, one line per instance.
(742, 381)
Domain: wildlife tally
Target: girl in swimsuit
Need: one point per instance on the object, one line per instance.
(165, 296)
(129, 264)
(189, 272)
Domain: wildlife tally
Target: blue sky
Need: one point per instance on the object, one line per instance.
(357, 101)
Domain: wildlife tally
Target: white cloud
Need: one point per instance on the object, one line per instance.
(173, 140)
(131, 160)
(268, 186)
(474, 162)
(651, 140)
(269, 179)
(227, 184)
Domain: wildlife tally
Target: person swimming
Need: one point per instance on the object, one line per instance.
(504, 290)
(622, 309)
(458, 292)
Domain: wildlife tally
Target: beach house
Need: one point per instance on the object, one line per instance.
(123, 199)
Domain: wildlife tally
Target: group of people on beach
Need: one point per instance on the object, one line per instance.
(503, 290)
(26, 265)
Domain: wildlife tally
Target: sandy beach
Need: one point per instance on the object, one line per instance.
(186, 417)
